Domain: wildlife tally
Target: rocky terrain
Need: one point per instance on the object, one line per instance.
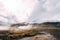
(43, 31)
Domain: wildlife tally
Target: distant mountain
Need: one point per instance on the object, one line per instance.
(44, 24)
(48, 24)
(56, 24)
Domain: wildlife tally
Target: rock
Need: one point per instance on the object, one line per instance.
(43, 37)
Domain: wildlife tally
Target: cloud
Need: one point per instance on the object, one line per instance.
(19, 8)
(30, 10)
(45, 11)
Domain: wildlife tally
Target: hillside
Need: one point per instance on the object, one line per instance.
(53, 28)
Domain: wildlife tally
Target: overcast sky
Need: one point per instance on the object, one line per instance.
(13, 11)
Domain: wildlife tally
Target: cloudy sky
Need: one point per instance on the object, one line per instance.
(14, 11)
